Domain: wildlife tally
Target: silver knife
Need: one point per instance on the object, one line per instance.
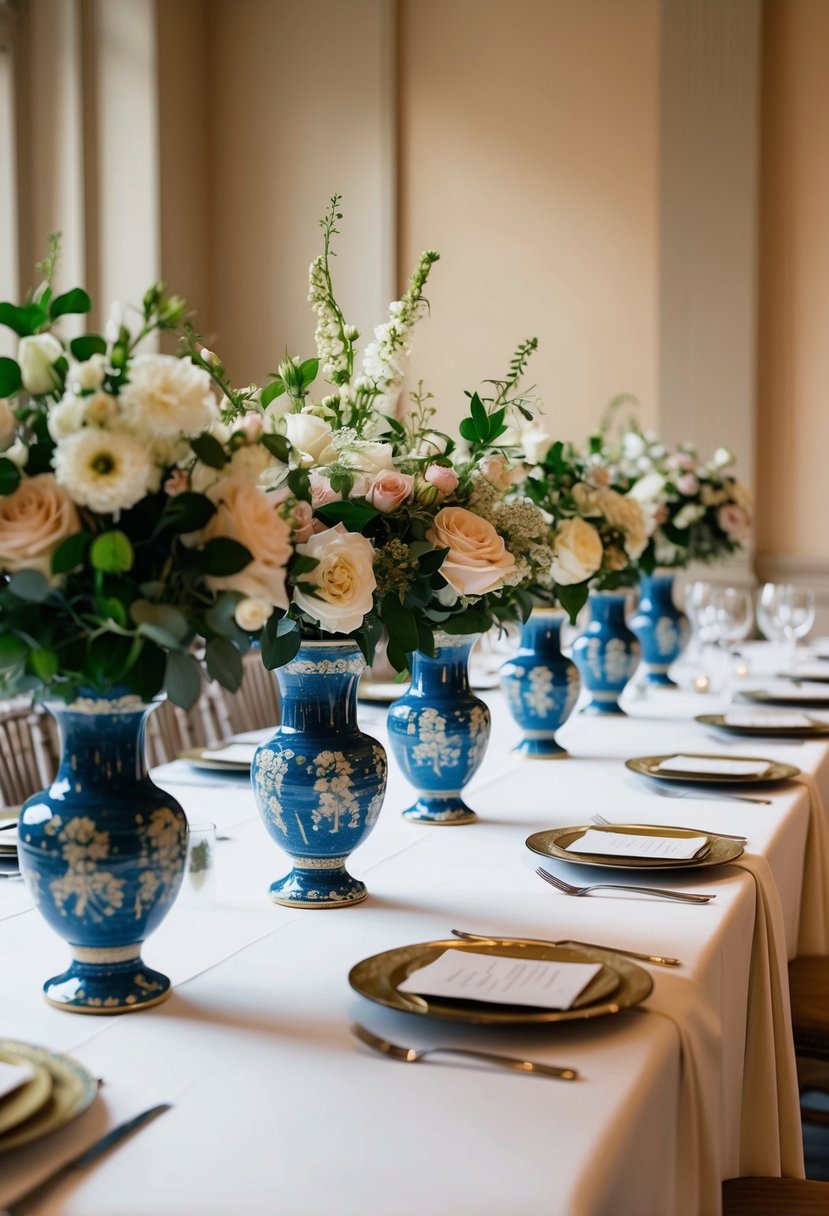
(84, 1159)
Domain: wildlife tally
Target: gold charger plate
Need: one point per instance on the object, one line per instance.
(816, 730)
(28, 1098)
(619, 985)
(648, 766)
(820, 700)
(554, 842)
(73, 1090)
(194, 756)
(9, 851)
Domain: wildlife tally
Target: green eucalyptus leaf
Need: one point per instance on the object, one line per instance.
(222, 556)
(29, 585)
(44, 663)
(182, 679)
(10, 380)
(13, 651)
(280, 641)
(400, 622)
(70, 553)
(186, 512)
(224, 663)
(165, 616)
(112, 552)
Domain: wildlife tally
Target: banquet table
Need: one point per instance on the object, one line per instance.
(279, 1111)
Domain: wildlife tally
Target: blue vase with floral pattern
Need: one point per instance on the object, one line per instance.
(319, 782)
(541, 685)
(438, 732)
(102, 851)
(659, 626)
(607, 653)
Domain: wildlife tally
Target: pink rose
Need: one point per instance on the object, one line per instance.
(496, 471)
(680, 460)
(34, 519)
(321, 492)
(477, 561)
(177, 483)
(303, 521)
(251, 427)
(389, 490)
(687, 484)
(734, 521)
(442, 478)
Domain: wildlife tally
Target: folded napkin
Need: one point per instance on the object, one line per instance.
(813, 933)
(770, 1140)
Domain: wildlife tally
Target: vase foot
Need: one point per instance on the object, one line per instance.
(330, 886)
(440, 810)
(657, 677)
(541, 749)
(603, 709)
(106, 987)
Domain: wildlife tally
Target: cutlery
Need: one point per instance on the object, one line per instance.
(661, 960)
(10, 874)
(658, 892)
(773, 740)
(84, 1159)
(666, 791)
(605, 823)
(6, 827)
(411, 1056)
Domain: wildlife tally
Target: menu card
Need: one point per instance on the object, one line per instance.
(776, 721)
(231, 753)
(632, 844)
(465, 975)
(12, 1076)
(719, 766)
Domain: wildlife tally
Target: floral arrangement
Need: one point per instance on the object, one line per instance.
(396, 535)
(119, 553)
(698, 510)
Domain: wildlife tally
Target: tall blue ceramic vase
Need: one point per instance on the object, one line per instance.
(102, 851)
(659, 626)
(541, 685)
(438, 732)
(319, 782)
(607, 653)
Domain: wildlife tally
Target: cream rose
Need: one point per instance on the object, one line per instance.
(577, 552)
(478, 560)
(648, 488)
(371, 458)
(36, 355)
(343, 577)
(390, 490)
(8, 425)
(252, 614)
(251, 516)
(33, 522)
(311, 438)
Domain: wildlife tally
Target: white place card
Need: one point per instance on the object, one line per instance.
(632, 844)
(231, 753)
(465, 975)
(711, 766)
(12, 1076)
(772, 721)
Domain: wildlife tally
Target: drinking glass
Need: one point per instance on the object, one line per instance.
(785, 613)
(728, 617)
(198, 888)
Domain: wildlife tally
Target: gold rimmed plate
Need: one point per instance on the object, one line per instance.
(555, 843)
(8, 838)
(815, 729)
(29, 1097)
(73, 1090)
(619, 984)
(801, 698)
(381, 692)
(776, 772)
(196, 757)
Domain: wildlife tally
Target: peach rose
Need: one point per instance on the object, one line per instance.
(578, 552)
(33, 522)
(389, 489)
(251, 516)
(477, 561)
(442, 478)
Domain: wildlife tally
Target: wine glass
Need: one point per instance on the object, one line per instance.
(785, 613)
(729, 617)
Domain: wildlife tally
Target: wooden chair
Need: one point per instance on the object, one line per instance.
(809, 991)
(172, 730)
(775, 1197)
(28, 751)
(256, 704)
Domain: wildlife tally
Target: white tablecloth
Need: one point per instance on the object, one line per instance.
(279, 1112)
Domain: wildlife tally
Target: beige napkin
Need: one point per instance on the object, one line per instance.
(770, 1141)
(813, 933)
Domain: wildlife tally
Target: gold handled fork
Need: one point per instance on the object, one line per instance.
(409, 1055)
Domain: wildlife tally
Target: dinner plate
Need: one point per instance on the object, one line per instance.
(29, 1097)
(554, 842)
(8, 847)
(194, 756)
(808, 699)
(648, 766)
(619, 985)
(73, 1090)
(381, 692)
(814, 675)
(815, 730)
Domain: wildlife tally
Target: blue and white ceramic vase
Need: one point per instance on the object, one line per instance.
(438, 732)
(659, 626)
(541, 685)
(319, 782)
(102, 851)
(607, 653)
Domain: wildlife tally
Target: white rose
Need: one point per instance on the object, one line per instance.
(577, 552)
(89, 374)
(343, 577)
(36, 355)
(647, 489)
(372, 458)
(633, 445)
(311, 438)
(252, 614)
(690, 514)
(18, 453)
(8, 425)
(722, 458)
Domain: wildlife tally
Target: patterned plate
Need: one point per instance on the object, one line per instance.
(73, 1090)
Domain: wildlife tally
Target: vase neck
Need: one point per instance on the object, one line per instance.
(100, 744)
(449, 670)
(543, 629)
(319, 689)
(608, 607)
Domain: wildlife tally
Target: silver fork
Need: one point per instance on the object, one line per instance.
(409, 1055)
(658, 892)
(606, 823)
(670, 791)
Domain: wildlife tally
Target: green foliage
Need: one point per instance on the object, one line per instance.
(112, 552)
(74, 301)
(209, 450)
(10, 381)
(280, 641)
(354, 515)
(9, 476)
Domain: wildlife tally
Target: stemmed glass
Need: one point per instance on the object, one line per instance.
(729, 616)
(785, 613)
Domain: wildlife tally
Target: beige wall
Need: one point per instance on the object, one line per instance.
(793, 398)
(528, 156)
